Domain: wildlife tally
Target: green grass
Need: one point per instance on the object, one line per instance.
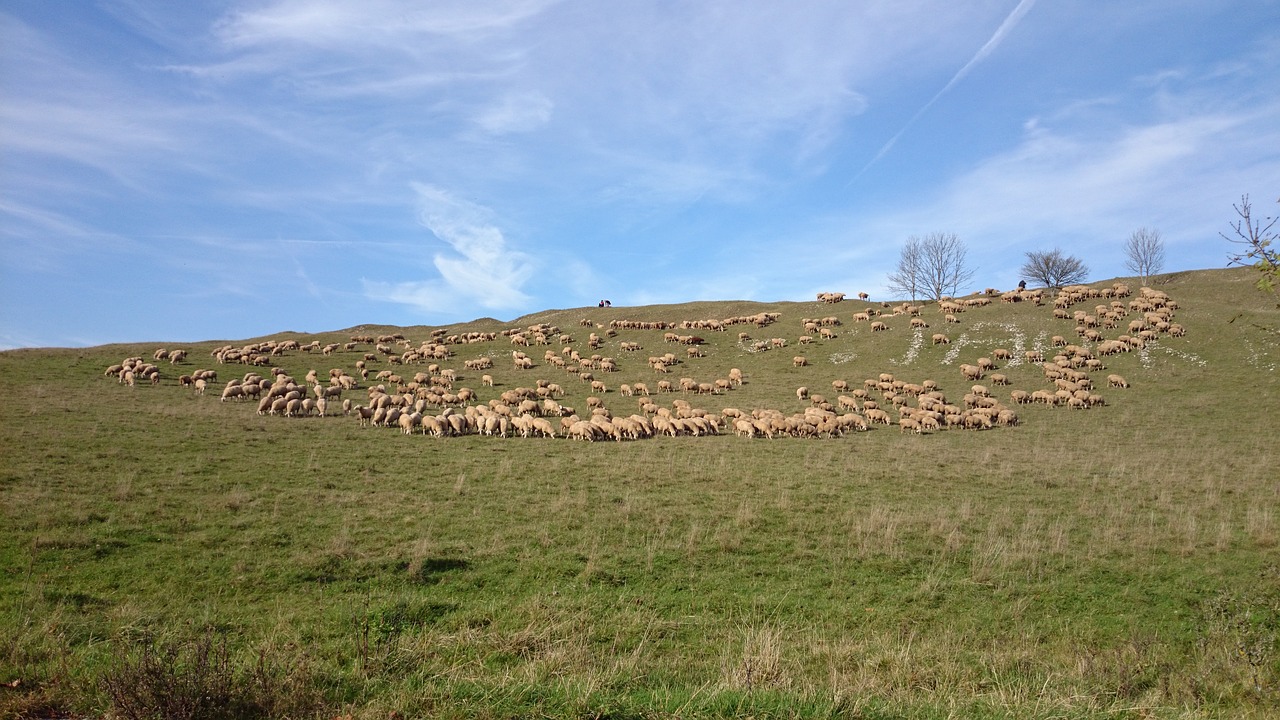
(1115, 562)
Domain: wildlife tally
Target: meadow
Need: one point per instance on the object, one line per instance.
(166, 554)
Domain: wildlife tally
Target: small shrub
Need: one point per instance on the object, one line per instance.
(200, 679)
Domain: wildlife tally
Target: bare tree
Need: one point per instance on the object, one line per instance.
(907, 278)
(1256, 237)
(1144, 253)
(933, 267)
(944, 266)
(1053, 268)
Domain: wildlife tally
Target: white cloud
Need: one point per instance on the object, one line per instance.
(516, 113)
(350, 24)
(483, 271)
(1085, 188)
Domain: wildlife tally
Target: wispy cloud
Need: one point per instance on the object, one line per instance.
(1010, 22)
(482, 270)
(1085, 187)
(516, 113)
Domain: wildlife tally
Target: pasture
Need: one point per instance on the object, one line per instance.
(1113, 561)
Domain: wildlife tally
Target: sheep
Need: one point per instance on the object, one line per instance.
(799, 361)
(875, 415)
(878, 326)
(940, 339)
(802, 393)
(1117, 381)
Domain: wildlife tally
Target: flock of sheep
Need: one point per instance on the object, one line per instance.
(415, 392)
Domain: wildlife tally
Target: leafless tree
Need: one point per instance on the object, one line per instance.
(1053, 268)
(907, 278)
(934, 266)
(1256, 236)
(945, 267)
(1144, 253)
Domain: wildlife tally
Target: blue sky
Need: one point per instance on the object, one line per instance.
(220, 170)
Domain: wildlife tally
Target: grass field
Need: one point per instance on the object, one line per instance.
(165, 554)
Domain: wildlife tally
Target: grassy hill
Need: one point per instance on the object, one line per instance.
(161, 546)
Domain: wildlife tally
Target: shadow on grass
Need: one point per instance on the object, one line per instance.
(432, 570)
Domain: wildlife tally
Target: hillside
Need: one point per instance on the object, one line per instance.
(1109, 553)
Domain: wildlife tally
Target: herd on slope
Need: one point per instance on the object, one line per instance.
(427, 402)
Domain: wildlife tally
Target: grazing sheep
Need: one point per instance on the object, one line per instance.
(876, 415)
(802, 393)
(799, 361)
(878, 326)
(940, 339)
(1117, 381)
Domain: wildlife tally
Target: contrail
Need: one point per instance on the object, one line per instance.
(1005, 28)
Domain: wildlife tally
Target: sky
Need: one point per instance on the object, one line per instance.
(176, 172)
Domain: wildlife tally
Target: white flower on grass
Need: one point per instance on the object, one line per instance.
(1189, 357)
(841, 358)
(956, 346)
(913, 350)
(1258, 356)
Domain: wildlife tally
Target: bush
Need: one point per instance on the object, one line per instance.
(200, 679)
